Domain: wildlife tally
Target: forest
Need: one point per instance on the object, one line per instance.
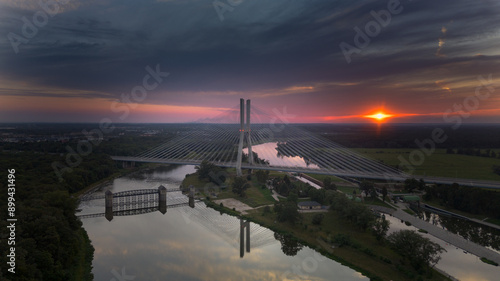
(51, 243)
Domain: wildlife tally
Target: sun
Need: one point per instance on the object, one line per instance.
(379, 116)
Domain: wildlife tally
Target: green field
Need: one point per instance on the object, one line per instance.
(439, 163)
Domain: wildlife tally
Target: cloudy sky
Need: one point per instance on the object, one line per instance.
(185, 60)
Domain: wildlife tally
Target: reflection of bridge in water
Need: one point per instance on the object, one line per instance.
(136, 202)
(235, 231)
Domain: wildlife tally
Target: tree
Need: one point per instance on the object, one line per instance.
(286, 211)
(328, 185)
(262, 175)
(421, 184)
(289, 244)
(317, 195)
(496, 169)
(287, 181)
(411, 184)
(380, 227)
(210, 171)
(384, 193)
(420, 251)
(293, 197)
(239, 186)
(367, 187)
(317, 219)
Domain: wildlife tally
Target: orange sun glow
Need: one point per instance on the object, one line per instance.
(379, 116)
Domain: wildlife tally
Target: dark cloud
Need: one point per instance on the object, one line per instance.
(259, 47)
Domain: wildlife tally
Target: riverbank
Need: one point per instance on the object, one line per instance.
(362, 252)
(109, 180)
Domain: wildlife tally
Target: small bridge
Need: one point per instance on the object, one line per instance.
(135, 202)
(235, 231)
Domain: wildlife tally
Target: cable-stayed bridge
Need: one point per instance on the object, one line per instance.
(267, 145)
(271, 143)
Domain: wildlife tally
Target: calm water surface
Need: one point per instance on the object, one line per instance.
(463, 266)
(193, 244)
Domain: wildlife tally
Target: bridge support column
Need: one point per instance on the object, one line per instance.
(244, 225)
(162, 199)
(191, 196)
(249, 138)
(242, 136)
(108, 203)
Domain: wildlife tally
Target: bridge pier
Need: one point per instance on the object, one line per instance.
(191, 196)
(242, 136)
(243, 226)
(162, 199)
(249, 139)
(108, 202)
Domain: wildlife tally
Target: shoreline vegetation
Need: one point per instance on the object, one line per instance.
(334, 236)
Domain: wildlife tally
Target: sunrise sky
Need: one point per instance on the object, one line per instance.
(79, 61)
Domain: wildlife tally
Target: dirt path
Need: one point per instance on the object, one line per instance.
(233, 203)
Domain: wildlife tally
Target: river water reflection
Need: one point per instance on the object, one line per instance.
(455, 262)
(193, 244)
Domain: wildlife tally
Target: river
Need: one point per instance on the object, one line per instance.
(193, 244)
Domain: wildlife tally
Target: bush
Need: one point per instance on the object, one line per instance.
(342, 240)
(485, 260)
(317, 219)
(368, 252)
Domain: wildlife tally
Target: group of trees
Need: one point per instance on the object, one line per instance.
(285, 186)
(474, 152)
(496, 169)
(356, 213)
(412, 184)
(286, 211)
(328, 184)
(51, 243)
(262, 176)
(467, 199)
(240, 184)
(209, 171)
(418, 250)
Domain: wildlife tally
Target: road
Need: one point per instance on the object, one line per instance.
(442, 234)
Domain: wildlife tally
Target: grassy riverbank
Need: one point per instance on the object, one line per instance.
(334, 237)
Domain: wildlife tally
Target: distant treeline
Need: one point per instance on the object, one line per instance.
(477, 136)
(467, 199)
(474, 152)
(51, 243)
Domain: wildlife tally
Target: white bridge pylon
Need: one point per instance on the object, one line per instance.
(244, 131)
